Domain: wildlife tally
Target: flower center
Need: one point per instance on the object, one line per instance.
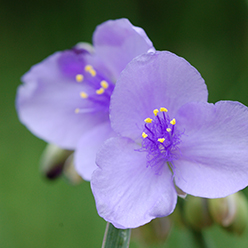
(98, 89)
(160, 137)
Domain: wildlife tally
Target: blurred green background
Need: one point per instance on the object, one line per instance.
(211, 35)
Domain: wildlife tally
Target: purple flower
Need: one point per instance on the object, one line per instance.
(168, 135)
(65, 98)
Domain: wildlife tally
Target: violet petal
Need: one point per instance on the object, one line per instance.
(127, 192)
(214, 161)
(150, 81)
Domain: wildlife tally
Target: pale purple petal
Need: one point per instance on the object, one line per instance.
(117, 42)
(47, 100)
(88, 146)
(151, 81)
(127, 192)
(214, 149)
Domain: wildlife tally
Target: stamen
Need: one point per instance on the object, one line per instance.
(144, 135)
(100, 91)
(162, 109)
(83, 94)
(173, 122)
(148, 120)
(79, 78)
(155, 112)
(77, 110)
(104, 84)
(89, 68)
(161, 140)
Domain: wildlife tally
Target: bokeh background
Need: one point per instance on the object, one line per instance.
(211, 35)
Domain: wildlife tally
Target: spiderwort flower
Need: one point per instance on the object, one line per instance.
(168, 135)
(65, 98)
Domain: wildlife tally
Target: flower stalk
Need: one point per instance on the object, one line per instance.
(199, 239)
(116, 238)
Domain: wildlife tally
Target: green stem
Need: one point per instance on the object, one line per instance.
(116, 238)
(199, 239)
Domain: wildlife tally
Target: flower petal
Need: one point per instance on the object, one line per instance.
(89, 144)
(127, 192)
(151, 81)
(214, 150)
(117, 42)
(47, 100)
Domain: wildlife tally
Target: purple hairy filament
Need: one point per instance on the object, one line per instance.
(160, 137)
(96, 89)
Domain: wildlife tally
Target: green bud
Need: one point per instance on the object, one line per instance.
(154, 232)
(230, 212)
(180, 193)
(86, 46)
(69, 171)
(196, 213)
(52, 161)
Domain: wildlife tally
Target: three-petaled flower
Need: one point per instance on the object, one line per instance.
(169, 135)
(65, 98)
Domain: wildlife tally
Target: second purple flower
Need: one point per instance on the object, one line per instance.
(65, 98)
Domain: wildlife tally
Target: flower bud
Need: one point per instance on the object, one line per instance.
(84, 46)
(230, 212)
(196, 213)
(180, 193)
(69, 171)
(154, 232)
(52, 161)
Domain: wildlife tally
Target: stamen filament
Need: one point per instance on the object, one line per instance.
(149, 129)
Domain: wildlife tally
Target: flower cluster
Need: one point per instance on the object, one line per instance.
(151, 108)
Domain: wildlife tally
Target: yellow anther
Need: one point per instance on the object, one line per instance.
(79, 78)
(168, 129)
(155, 112)
(148, 120)
(173, 122)
(92, 72)
(104, 84)
(89, 68)
(83, 94)
(163, 109)
(144, 135)
(100, 91)
(161, 140)
(77, 110)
